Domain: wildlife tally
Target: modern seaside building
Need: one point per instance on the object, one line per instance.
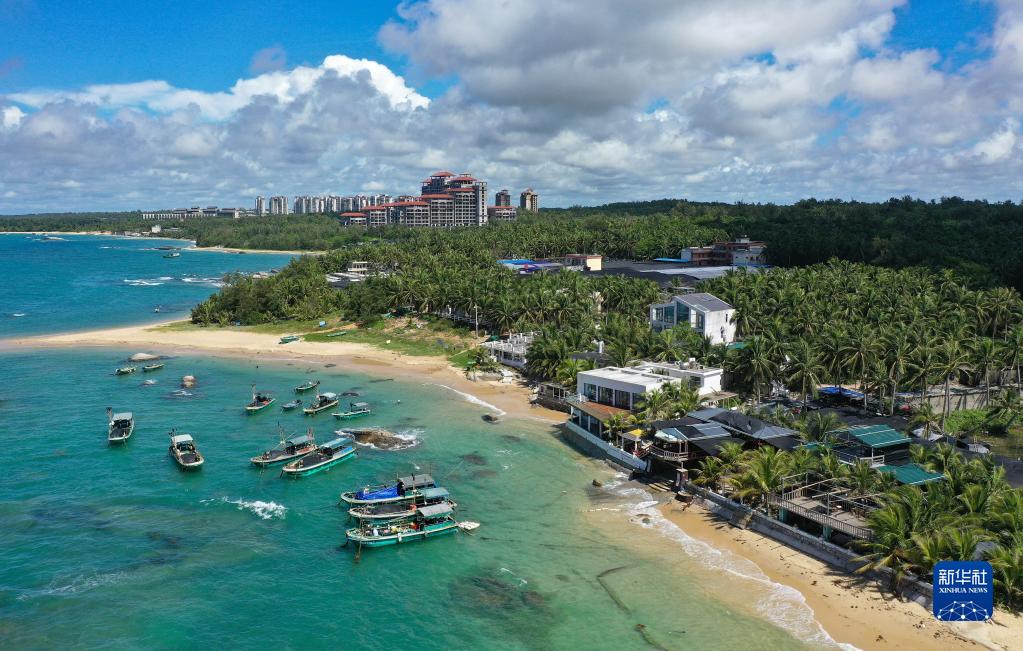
(606, 392)
(704, 313)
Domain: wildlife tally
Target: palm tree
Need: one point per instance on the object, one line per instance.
(655, 404)
(757, 364)
(804, 369)
(858, 355)
(953, 359)
(762, 474)
(925, 417)
(987, 354)
(709, 472)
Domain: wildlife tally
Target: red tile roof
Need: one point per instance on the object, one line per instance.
(436, 196)
(464, 177)
(442, 174)
(352, 214)
(461, 189)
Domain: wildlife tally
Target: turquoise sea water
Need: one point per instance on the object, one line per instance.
(115, 548)
(87, 281)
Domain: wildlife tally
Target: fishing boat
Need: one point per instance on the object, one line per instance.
(394, 510)
(121, 426)
(323, 401)
(287, 339)
(323, 457)
(125, 370)
(336, 334)
(288, 449)
(260, 401)
(306, 386)
(172, 254)
(183, 449)
(355, 409)
(428, 522)
(293, 404)
(149, 368)
(406, 489)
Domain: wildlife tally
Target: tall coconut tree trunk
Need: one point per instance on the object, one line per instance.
(895, 392)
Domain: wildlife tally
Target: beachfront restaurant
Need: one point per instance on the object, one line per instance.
(588, 421)
(750, 430)
(683, 441)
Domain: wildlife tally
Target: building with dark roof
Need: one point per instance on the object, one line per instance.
(705, 313)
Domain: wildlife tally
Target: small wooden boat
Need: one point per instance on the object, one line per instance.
(287, 339)
(149, 368)
(323, 402)
(394, 510)
(125, 370)
(337, 334)
(355, 409)
(406, 489)
(323, 457)
(121, 426)
(428, 522)
(294, 404)
(183, 449)
(259, 401)
(287, 450)
(306, 386)
(172, 254)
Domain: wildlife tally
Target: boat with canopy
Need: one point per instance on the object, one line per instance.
(355, 409)
(306, 386)
(322, 402)
(125, 370)
(428, 522)
(395, 510)
(322, 458)
(121, 426)
(287, 450)
(183, 449)
(406, 489)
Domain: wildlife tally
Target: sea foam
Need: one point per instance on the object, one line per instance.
(265, 510)
(782, 605)
(474, 400)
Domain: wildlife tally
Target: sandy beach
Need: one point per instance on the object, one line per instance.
(851, 611)
(512, 399)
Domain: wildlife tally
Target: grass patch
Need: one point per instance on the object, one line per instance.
(419, 337)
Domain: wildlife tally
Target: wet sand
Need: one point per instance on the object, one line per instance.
(511, 399)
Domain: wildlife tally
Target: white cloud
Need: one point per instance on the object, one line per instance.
(587, 100)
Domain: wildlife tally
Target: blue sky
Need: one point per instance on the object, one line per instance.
(196, 44)
(592, 100)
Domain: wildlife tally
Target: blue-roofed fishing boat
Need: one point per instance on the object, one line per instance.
(395, 510)
(183, 449)
(322, 402)
(406, 489)
(355, 409)
(288, 449)
(121, 426)
(323, 457)
(428, 522)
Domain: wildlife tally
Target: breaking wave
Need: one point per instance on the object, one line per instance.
(476, 401)
(265, 510)
(782, 605)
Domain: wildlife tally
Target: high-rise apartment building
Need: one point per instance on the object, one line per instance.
(260, 206)
(279, 205)
(502, 198)
(529, 200)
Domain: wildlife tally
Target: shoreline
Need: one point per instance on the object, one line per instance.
(850, 611)
(512, 399)
(193, 247)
